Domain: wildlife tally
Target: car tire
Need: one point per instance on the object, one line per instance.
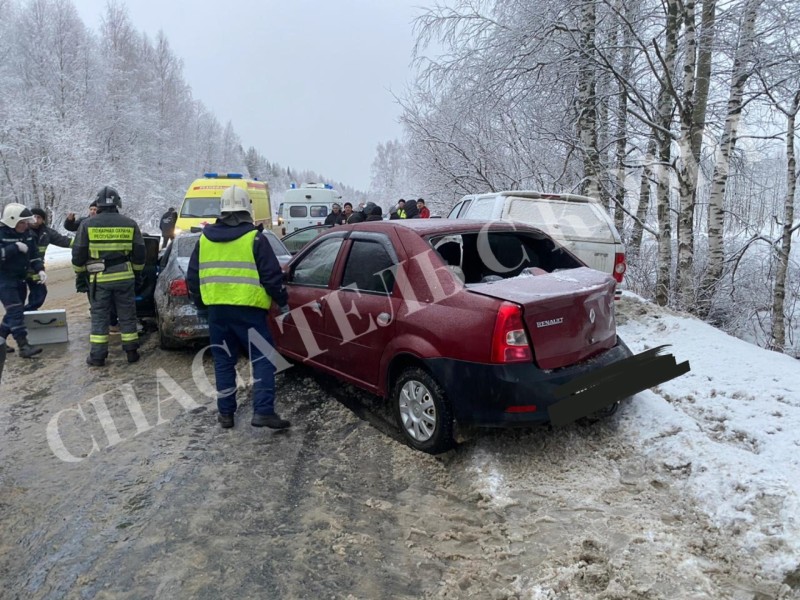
(422, 411)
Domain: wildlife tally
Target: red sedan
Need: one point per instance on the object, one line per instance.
(454, 321)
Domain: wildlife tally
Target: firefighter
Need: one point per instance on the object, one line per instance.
(233, 272)
(43, 236)
(18, 253)
(109, 248)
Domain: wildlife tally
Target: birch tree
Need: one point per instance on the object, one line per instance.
(742, 69)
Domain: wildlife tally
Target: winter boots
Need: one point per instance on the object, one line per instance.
(95, 362)
(225, 420)
(25, 349)
(272, 421)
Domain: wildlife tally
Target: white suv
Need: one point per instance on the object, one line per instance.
(579, 223)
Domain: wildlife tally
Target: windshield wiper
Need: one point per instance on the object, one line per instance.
(190, 215)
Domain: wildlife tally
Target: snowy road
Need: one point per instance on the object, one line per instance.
(665, 500)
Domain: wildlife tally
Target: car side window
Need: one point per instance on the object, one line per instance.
(464, 209)
(482, 209)
(368, 268)
(315, 268)
(297, 240)
(455, 211)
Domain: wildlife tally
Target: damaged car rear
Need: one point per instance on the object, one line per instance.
(459, 322)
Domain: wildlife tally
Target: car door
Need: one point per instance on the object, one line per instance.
(361, 311)
(301, 333)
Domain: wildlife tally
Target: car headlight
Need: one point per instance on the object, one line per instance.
(178, 231)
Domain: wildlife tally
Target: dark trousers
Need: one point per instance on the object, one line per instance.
(37, 293)
(103, 299)
(229, 329)
(12, 295)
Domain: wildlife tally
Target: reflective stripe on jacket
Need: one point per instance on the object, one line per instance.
(104, 241)
(229, 274)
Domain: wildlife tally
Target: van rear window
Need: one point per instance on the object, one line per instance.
(298, 211)
(319, 211)
(570, 219)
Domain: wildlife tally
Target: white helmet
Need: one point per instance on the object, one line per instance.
(235, 199)
(14, 213)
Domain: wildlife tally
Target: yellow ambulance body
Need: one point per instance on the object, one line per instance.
(201, 204)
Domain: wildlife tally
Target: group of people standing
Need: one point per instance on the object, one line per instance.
(108, 255)
(411, 210)
(372, 212)
(233, 276)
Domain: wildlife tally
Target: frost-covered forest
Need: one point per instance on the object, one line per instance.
(679, 115)
(81, 109)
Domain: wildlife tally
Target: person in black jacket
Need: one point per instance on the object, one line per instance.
(411, 210)
(167, 225)
(18, 254)
(375, 213)
(72, 224)
(234, 274)
(336, 216)
(43, 236)
(109, 247)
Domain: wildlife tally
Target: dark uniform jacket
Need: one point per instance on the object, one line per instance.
(74, 224)
(44, 236)
(112, 237)
(14, 265)
(167, 223)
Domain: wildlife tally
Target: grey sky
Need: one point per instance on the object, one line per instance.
(307, 82)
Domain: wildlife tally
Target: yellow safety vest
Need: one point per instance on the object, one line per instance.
(228, 273)
(401, 213)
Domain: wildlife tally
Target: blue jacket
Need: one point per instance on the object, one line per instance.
(269, 269)
(14, 265)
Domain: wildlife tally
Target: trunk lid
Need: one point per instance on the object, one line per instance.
(569, 314)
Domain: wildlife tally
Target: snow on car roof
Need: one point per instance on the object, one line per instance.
(445, 226)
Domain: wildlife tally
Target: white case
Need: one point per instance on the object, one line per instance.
(47, 326)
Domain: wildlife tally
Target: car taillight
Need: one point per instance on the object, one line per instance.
(283, 231)
(178, 287)
(509, 341)
(619, 266)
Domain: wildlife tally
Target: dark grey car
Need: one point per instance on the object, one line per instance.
(179, 323)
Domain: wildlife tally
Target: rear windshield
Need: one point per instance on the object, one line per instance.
(183, 245)
(200, 207)
(298, 211)
(573, 220)
(482, 257)
(319, 212)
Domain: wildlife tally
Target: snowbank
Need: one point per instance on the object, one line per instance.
(732, 425)
(58, 257)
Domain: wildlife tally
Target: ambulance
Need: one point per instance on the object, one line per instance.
(201, 204)
(306, 205)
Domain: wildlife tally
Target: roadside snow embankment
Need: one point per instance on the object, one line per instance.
(58, 257)
(731, 426)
